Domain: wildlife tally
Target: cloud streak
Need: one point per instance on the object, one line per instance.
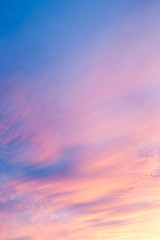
(79, 120)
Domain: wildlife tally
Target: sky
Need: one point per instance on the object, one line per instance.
(79, 120)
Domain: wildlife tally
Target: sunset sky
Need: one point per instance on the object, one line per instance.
(79, 120)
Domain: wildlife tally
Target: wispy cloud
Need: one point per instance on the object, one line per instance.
(79, 120)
